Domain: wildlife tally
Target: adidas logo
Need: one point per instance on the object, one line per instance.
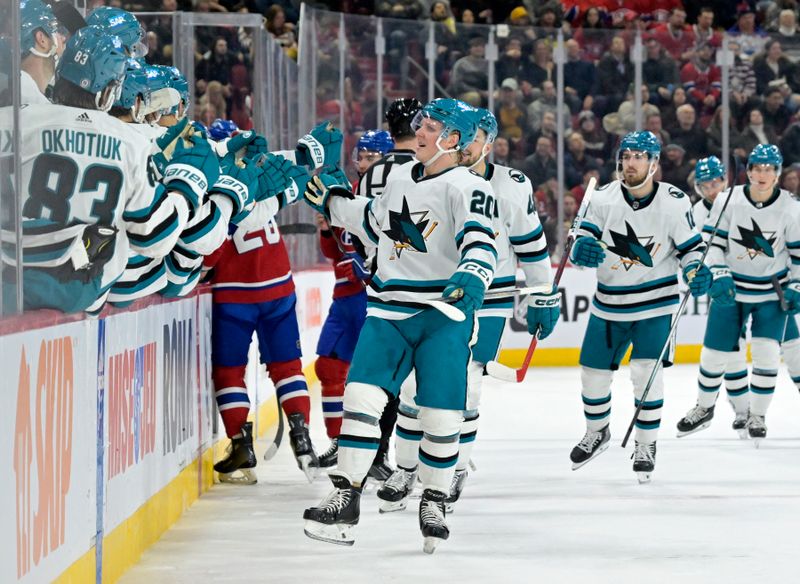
(84, 117)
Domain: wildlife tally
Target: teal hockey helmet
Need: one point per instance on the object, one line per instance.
(135, 85)
(178, 82)
(123, 24)
(92, 60)
(36, 15)
(708, 169)
(455, 116)
(641, 142)
(488, 123)
(766, 154)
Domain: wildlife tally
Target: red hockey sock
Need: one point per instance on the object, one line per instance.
(290, 385)
(231, 395)
(332, 374)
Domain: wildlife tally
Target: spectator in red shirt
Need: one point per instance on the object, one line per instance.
(675, 36)
(702, 81)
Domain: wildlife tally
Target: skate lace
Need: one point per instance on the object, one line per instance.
(644, 453)
(589, 440)
(756, 422)
(695, 414)
(337, 500)
(431, 513)
(399, 480)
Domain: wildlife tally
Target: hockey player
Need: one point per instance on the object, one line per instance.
(42, 42)
(253, 292)
(757, 242)
(434, 238)
(637, 232)
(710, 179)
(339, 334)
(122, 24)
(519, 238)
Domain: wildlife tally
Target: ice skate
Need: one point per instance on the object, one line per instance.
(237, 467)
(756, 429)
(698, 418)
(380, 471)
(335, 518)
(591, 445)
(301, 445)
(396, 489)
(456, 487)
(740, 424)
(330, 457)
(644, 461)
(431, 520)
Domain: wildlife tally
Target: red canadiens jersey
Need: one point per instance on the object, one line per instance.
(332, 251)
(251, 267)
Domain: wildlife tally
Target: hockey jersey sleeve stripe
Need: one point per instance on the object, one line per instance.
(367, 226)
(177, 269)
(163, 230)
(144, 215)
(476, 261)
(471, 227)
(645, 287)
(720, 232)
(202, 227)
(140, 282)
(503, 282)
(532, 256)
(592, 229)
(689, 244)
(478, 245)
(793, 244)
(534, 235)
(185, 254)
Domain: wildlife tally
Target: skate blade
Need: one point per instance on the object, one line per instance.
(644, 477)
(336, 534)
(695, 431)
(743, 435)
(430, 543)
(392, 506)
(310, 470)
(757, 442)
(598, 452)
(242, 476)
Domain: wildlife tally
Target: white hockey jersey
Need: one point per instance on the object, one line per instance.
(86, 166)
(519, 237)
(646, 241)
(700, 212)
(756, 241)
(425, 228)
(29, 91)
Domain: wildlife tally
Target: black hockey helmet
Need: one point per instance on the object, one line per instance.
(399, 115)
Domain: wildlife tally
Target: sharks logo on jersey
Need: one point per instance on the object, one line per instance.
(409, 230)
(756, 241)
(632, 249)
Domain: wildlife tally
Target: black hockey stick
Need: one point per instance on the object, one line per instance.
(674, 326)
(298, 229)
(276, 443)
(776, 284)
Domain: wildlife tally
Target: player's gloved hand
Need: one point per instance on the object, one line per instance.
(235, 143)
(299, 179)
(723, 289)
(587, 252)
(238, 182)
(698, 277)
(791, 292)
(321, 146)
(468, 288)
(319, 189)
(192, 170)
(257, 146)
(353, 268)
(167, 142)
(338, 174)
(274, 178)
(544, 311)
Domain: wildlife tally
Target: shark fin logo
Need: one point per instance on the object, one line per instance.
(756, 241)
(408, 230)
(632, 249)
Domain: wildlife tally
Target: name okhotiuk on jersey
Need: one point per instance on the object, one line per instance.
(756, 241)
(425, 229)
(646, 241)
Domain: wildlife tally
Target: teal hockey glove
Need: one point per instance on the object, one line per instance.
(722, 289)
(587, 252)
(256, 147)
(299, 177)
(238, 182)
(544, 311)
(319, 190)
(791, 292)
(321, 146)
(274, 178)
(192, 170)
(338, 174)
(467, 288)
(698, 277)
(236, 143)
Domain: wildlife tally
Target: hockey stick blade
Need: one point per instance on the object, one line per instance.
(272, 450)
(448, 310)
(502, 372)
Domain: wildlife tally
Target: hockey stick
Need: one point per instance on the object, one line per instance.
(674, 327)
(776, 284)
(506, 373)
(445, 305)
(298, 228)
(276, 443)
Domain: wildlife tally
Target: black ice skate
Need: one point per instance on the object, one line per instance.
(698, 418)
(396, 489)
(644, 461)
(380, 471)
(237, 467)
(591, 445)
(740, 424)
(334, 519)
(301, 445)
(756, 428)
(431, 519)
(331, 456)
(456, 487)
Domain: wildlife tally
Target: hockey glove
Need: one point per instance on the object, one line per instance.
(192, 170)
(167, 143)
(299, 177)
(275, 176)
(722, 289)
(352, 267)
(467, 287)
(321, 146)
(339, 175)
(791, 293)
(235, 143)
(543, 313)
(587, 252)
(239, 182)
(319, 189)
(698, 277)
(256, 147)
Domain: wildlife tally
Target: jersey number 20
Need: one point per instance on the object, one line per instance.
(483, 204)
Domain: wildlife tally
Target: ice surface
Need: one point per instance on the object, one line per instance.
(718, 510)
